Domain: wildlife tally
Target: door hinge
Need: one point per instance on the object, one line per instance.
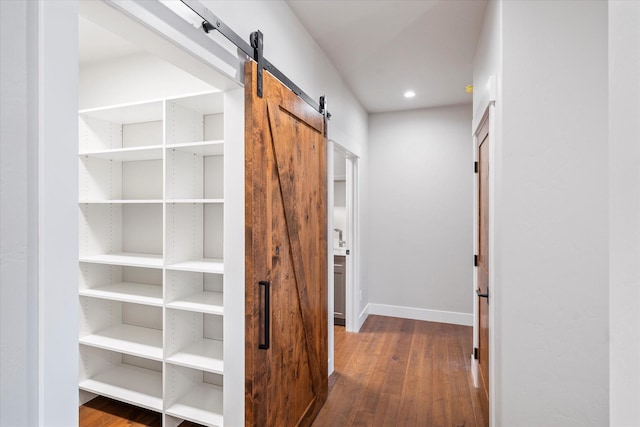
(475, 353)
(475, 260)
(481, 295)
(475, 167)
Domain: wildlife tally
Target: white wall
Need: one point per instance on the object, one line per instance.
(419, 216)
(339, 197)
(624, 212)
(38, 211)
(18, 218)
(339, 211)
(551, 297)
(487, 66)
(487, 60)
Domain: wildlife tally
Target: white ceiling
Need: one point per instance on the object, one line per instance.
(97, 44)
(383, 48)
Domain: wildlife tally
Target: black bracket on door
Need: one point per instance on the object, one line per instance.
(257, 44)
(325, 112)
(211, 22)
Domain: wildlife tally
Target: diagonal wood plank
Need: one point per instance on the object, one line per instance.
(299, 213)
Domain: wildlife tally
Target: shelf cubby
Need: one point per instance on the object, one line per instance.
(123, 126)
(195, 291)
(194, 340)
(122, 377)
(121, 234)
(106, 177)
(118, 283)
(121, 153)
(195, 118)
(127, 328)
(194, 395)
(194, 237)
(195, 172)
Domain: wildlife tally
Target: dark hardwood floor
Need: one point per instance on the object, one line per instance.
(399, 372)
(104, 412)
(395, 372)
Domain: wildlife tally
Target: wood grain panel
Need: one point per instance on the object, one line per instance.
(286, 232)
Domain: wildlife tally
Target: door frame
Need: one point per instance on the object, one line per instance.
(352, 283)
(486, 110)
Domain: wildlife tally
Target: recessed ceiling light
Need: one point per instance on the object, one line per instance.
(409, 94)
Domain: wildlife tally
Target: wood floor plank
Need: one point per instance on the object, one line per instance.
(105, 412)
(399, 372)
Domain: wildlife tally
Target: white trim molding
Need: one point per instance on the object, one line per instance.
(451, 317)
(487, 96)
(363, 317)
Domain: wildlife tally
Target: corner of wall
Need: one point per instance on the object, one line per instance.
(363, 317)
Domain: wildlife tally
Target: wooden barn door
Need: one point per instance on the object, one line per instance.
(286, 256)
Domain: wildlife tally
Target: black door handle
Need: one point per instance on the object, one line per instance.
(267, 315)
(482, 295)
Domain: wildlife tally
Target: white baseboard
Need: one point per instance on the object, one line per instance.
(363, 316)
(452, 317)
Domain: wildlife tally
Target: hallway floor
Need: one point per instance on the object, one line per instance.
(399, 372)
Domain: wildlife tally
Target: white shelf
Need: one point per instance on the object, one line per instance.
(203, 404)
(137, 386)
(202, 265)
(205, 103)
(138, 293)
(205, 355)
(128, 339)
(123, 202)
(130, 154)
(138, 112)
(195, 200)
(201, 148)
(202, 302)
(126, 259)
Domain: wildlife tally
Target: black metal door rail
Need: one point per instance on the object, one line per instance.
(254, 50)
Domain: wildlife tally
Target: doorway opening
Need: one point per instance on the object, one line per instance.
(344, 249)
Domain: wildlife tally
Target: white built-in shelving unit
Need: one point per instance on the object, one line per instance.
(152, 270)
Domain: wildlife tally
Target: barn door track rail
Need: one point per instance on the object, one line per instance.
(253, 50)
